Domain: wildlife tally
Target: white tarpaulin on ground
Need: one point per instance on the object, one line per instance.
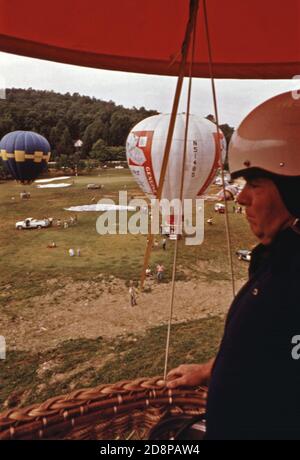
(54, 185)
(44, 181)
(101, 207)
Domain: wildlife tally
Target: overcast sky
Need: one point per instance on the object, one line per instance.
(235, 97)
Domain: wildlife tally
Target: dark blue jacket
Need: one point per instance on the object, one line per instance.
(254, 392)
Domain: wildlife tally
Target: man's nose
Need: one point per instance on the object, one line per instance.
(243, 197)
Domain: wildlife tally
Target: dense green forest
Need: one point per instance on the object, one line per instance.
(64, 118)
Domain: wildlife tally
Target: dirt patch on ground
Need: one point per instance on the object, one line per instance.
(102, 308)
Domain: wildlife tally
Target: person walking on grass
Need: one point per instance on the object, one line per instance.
(132, 294)
(160, 269)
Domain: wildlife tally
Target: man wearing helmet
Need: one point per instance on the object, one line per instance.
(254, 382)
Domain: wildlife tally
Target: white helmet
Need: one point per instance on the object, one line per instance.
(268, 138)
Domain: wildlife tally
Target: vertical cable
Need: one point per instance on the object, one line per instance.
(218, 129)
(181, 197)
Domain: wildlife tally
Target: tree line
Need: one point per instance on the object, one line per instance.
(64, 118)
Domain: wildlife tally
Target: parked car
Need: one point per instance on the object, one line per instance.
(244, 254)
(218, 181)
(93, 186)
(227, 178)
(219, 207)
(33, 223)
(25, 195)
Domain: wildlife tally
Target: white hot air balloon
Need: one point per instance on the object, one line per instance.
(145, 147)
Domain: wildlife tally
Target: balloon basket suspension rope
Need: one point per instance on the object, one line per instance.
(228, 233)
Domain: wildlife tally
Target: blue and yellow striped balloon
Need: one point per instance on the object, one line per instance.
(25, 154)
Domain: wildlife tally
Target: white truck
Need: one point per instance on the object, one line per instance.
(33, 223)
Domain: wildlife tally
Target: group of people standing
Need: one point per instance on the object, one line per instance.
(160, 269)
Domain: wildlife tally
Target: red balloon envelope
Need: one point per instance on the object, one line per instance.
(249, 38)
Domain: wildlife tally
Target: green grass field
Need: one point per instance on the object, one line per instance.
(26, 263)
(26, 258)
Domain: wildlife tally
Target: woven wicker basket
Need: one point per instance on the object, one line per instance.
(136, 409)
